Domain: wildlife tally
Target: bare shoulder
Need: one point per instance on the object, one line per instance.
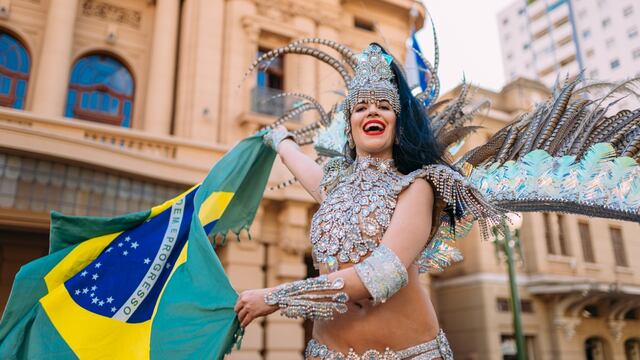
(419, 194)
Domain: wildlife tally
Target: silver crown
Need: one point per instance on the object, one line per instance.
(373, 80)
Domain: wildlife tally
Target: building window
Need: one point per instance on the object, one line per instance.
(548, 235)
(627, 11)
(14, 71)
(526, 46)
(505, 21)
(615, 64)
(590, 53)
(266, 97)
(272, 74)
(526, 306)
(618, 246)
(364, 24)
(562, 239)
(590, 311)
(100, 90)
(503, 305)
(636, 54)
(586, 34)
(596, 348)
(585, 239)
(632, 33)
(508, 347)
(606, 22)
(632, 348)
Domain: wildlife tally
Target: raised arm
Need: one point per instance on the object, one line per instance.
(307, 171)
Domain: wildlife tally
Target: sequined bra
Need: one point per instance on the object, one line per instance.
(356, 212)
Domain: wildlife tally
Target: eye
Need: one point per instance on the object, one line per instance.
(384, 105)
(359, 108)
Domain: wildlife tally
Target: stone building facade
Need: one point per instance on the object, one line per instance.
(111, 106)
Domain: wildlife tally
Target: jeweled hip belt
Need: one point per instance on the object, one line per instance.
(434, 349)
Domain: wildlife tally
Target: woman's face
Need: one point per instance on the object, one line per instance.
(373, 126)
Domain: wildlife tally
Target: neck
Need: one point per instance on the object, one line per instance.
(383, 155)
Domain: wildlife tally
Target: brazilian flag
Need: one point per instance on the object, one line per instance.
(146, 285)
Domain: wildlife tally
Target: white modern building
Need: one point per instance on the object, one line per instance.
(547, 39)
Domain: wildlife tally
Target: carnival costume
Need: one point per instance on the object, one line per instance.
(565, 156)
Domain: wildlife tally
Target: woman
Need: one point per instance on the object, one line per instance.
(378, 212)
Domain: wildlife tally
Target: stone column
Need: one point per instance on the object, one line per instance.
(52, 78)
(241, 35)
(159, 101)
(285, 337)
(200, 70)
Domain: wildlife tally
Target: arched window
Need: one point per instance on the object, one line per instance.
(14, 71)
(596, 348)
(632, 349)
(101, 90)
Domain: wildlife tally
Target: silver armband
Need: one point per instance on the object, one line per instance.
(315, 298)
(382, 273)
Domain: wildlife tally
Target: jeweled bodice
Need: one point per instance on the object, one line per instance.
(356, 212)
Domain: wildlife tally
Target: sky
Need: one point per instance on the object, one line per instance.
(468, 39)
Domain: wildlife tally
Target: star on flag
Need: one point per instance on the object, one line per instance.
(147, 261)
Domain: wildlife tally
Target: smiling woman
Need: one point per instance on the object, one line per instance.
(381, 206)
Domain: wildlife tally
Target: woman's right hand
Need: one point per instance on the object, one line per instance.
(276, 135)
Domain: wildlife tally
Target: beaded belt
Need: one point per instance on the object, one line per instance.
(434, 349)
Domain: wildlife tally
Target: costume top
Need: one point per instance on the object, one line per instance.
(361, 197)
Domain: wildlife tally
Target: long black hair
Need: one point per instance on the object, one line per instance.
(415, 145)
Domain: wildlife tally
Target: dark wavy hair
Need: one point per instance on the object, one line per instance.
(415, 145)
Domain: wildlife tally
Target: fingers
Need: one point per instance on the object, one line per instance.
(247, 320)
(242, 315)
(239, 304)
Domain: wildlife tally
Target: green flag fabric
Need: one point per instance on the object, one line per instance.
(146, 285)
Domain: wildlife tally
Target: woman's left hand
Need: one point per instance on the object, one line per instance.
(251, 305)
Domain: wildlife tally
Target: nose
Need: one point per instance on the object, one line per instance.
(372, 109)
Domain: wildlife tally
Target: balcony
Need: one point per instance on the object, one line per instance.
(271, 102)
(165, 158)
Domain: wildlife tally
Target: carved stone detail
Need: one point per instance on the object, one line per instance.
(112, 13)
(285, 10)
(616, 327)
(568, 325)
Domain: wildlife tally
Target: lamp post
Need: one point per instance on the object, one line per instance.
(507, 244)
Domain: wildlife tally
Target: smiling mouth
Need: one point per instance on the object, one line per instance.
(374, 127)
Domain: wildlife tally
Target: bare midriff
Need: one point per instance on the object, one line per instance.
(404, 320)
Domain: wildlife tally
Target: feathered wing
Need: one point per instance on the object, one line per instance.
(566, 156)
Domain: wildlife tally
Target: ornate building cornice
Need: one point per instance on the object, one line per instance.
(112, 13)
(286, 10)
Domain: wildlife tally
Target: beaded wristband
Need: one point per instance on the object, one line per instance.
(301, 299)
